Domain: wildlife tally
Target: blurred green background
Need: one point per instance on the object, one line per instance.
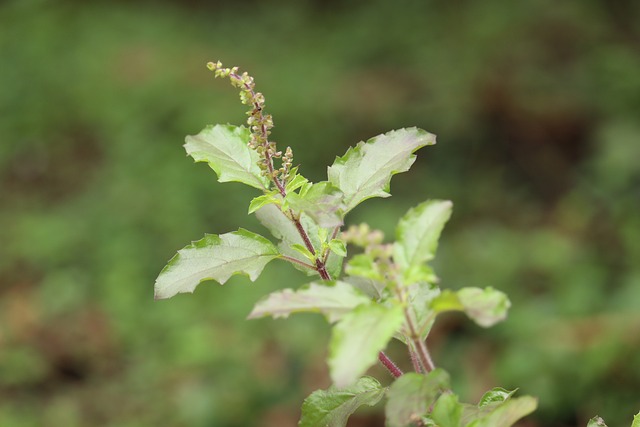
(537, 109)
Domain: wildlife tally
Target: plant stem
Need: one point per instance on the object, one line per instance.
(419, 345)
(414, 360)
(297, 261)
(388, 363)
(303, 234)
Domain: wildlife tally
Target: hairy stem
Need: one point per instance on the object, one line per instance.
(419, 345)
(303, 234)
(388, 363)
(414, 360)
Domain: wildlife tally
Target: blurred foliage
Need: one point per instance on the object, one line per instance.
(536, 105)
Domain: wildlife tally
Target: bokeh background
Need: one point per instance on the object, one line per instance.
(537, 110)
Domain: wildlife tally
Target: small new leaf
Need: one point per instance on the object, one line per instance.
(304, 251)
(498, 414)
(296, 181)
(363, 265)
(260, 201)
(284, 230)
(420, 297)
(332, 407)
(215, 258)
(411, 395)
(225, 148)
(333, 299)
(597, 422)
(338, 247)
(358, 338)
(417, 236)
(366, 170)
(497, 394)
(321, 201)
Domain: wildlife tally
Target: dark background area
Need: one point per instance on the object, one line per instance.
(537, 110)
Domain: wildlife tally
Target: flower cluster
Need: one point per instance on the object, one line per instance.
(260, 124)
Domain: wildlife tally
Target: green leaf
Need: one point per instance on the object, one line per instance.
(636, 420)
(295, 181)
(447, 411)
(358, 338)
(332, 408)
(363, 265)
(263, 200)
(447, 300)
(284, 230)
(333, 299)
(420, 297)
(417, 236)
(486, 306)
(499, 414)
(225, 148)
(304, 251)
(598, 422)
(321, 201)
(497, 394)
(372, 288)
(366, 170)
(411, 395)
(215, 258)
(338, 247)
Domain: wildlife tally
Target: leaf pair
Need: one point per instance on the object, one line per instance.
(363, 172)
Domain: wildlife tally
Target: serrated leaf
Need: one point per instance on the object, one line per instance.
(636, 420)
(499, 414)
(333, 299)
(411, 395)
(321, 201)
(225, 149)
(417, 236)
(338, 247)
(215, 258)
(598, 422)
(332, 407)
(260, 201)
(447, 411)
(358, 338)
(365, 171)
(497, 394)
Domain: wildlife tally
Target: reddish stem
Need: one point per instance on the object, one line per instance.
(388, 363)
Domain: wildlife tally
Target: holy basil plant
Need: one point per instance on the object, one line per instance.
(380, 292)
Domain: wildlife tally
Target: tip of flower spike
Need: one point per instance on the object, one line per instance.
(214, 65)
